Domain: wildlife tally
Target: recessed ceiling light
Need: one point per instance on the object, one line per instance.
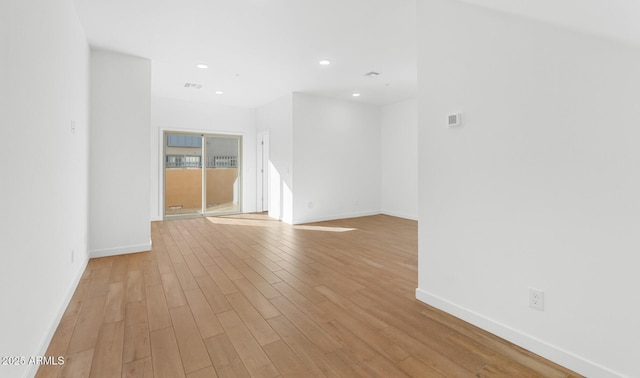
(372, 74)
(324, 62)
(202, 65)
(356, 95)
(219, 92)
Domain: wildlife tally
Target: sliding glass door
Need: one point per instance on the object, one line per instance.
(222, 175)
(183, 174)
(202, 174)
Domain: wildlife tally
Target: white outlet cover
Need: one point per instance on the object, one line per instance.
(536, 299)
(454, 119)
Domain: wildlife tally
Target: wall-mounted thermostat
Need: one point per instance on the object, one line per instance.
(454, 119)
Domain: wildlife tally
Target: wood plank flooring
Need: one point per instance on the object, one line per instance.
(247, 296)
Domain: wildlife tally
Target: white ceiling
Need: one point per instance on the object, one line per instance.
(615, 19)
(259, 50)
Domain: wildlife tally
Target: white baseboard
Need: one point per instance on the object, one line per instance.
(44, 345)
(336, 216)
(531, 343)
(400, 215)
(120, 250)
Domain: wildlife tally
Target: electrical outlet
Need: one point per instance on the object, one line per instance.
(536, 299)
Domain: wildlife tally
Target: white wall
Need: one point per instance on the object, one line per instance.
(119, 154)
(277, 118)
(180, 115)
(336, 159)
(44, 86)
(538, 188)
(399, 141)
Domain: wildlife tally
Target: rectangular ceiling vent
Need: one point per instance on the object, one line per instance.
(192, 85)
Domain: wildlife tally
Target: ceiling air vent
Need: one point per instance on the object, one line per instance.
(192, 85)
(372, 74)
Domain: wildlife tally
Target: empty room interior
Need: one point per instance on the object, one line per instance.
(281, 188)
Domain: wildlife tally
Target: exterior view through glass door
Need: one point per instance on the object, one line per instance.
(202, 174)
(222, 175)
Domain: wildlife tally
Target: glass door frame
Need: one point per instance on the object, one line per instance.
(203, 168)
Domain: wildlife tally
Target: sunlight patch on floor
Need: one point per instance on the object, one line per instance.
(262, 220)
(242, 221)
(323, 228)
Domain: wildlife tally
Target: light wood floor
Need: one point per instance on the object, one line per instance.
(249, 296)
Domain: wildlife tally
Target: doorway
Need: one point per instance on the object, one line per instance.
(202, 174)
